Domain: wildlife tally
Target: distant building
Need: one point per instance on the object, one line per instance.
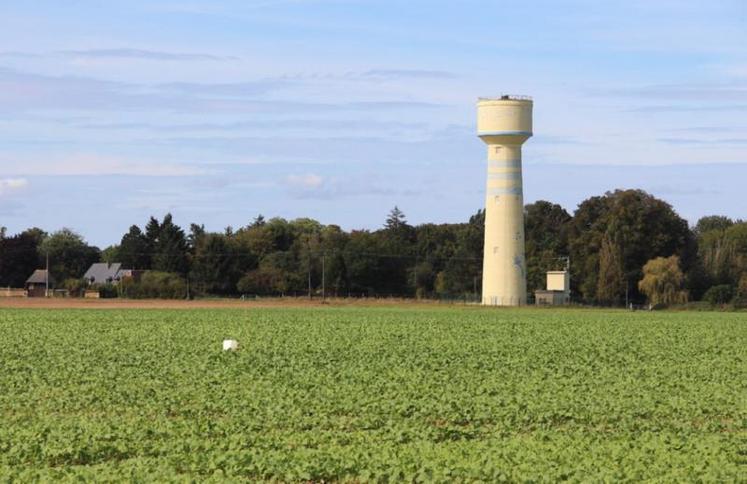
(558, 289)
(36, 284)
(105, 273)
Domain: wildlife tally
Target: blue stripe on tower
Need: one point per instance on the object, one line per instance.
(516, 176)
(504, 163)
(505, 191)
(504, 133)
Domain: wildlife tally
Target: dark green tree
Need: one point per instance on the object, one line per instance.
(214, 270)
(712, 222)
(19, 258)
(196, 232)
(259, 221)
(462, 273)
(546, 235)
(135, 250)
(171, 249)
(611, 280)
(110, 254)
(333, 245)
(642, 226)
(395, 220)
(69, 255)
(152, 231)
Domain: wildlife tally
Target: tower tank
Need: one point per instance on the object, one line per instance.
(504, 123)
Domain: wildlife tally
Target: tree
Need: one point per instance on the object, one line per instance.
(213, 269)
(287, 275)
(611, 282)
(546, 235)
(18, 258)
(425, 279)
(642, 226)
(259, 221)
(395, 220)
(307, 250)
(461, 275)
(712, 222)
(69, 255)
(196, 232)
(135, 249)
(280, 233)
(722, 250)
(663, 281)
(371, 268)
(110, 254)
(737, 236)
(741, 297)
(170, 254)
(333, 244)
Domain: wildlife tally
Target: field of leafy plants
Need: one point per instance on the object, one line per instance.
(373, 394)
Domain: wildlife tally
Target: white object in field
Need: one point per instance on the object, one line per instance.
(230, 345)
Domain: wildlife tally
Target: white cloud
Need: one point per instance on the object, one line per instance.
(8, 185)
(144, 54)
(92, 164)
(736, 70)
(120, 53)
(306, 181)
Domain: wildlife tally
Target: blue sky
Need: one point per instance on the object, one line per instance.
(217, 111)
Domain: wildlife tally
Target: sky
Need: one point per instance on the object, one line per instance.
(220, 110)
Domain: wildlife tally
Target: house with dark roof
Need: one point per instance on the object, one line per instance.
(36, 284)
(105, 273)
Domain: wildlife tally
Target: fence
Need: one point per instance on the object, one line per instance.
(13, 292)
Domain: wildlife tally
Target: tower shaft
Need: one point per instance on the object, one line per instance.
(504, 269)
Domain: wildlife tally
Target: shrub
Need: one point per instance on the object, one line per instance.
(108, 290)
(154, 285)
(263, 281)
(740, 300)
(721, 294)
(75, 287)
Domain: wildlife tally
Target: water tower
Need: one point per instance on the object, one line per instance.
(504, 124)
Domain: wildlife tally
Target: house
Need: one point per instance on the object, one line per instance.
(105, 273)
(36, 284)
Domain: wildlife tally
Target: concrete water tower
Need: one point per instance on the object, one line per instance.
(504, 124)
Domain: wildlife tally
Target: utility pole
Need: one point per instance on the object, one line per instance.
(323, 274)
(46, 278)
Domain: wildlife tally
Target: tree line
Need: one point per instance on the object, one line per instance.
(625, 245)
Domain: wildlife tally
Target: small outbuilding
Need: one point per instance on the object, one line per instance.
(558, 289)
(37, 283)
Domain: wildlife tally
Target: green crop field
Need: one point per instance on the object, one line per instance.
(364, 394)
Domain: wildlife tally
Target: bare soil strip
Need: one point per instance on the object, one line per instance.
(79, 303)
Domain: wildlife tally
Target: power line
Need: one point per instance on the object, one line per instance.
(317, 253)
